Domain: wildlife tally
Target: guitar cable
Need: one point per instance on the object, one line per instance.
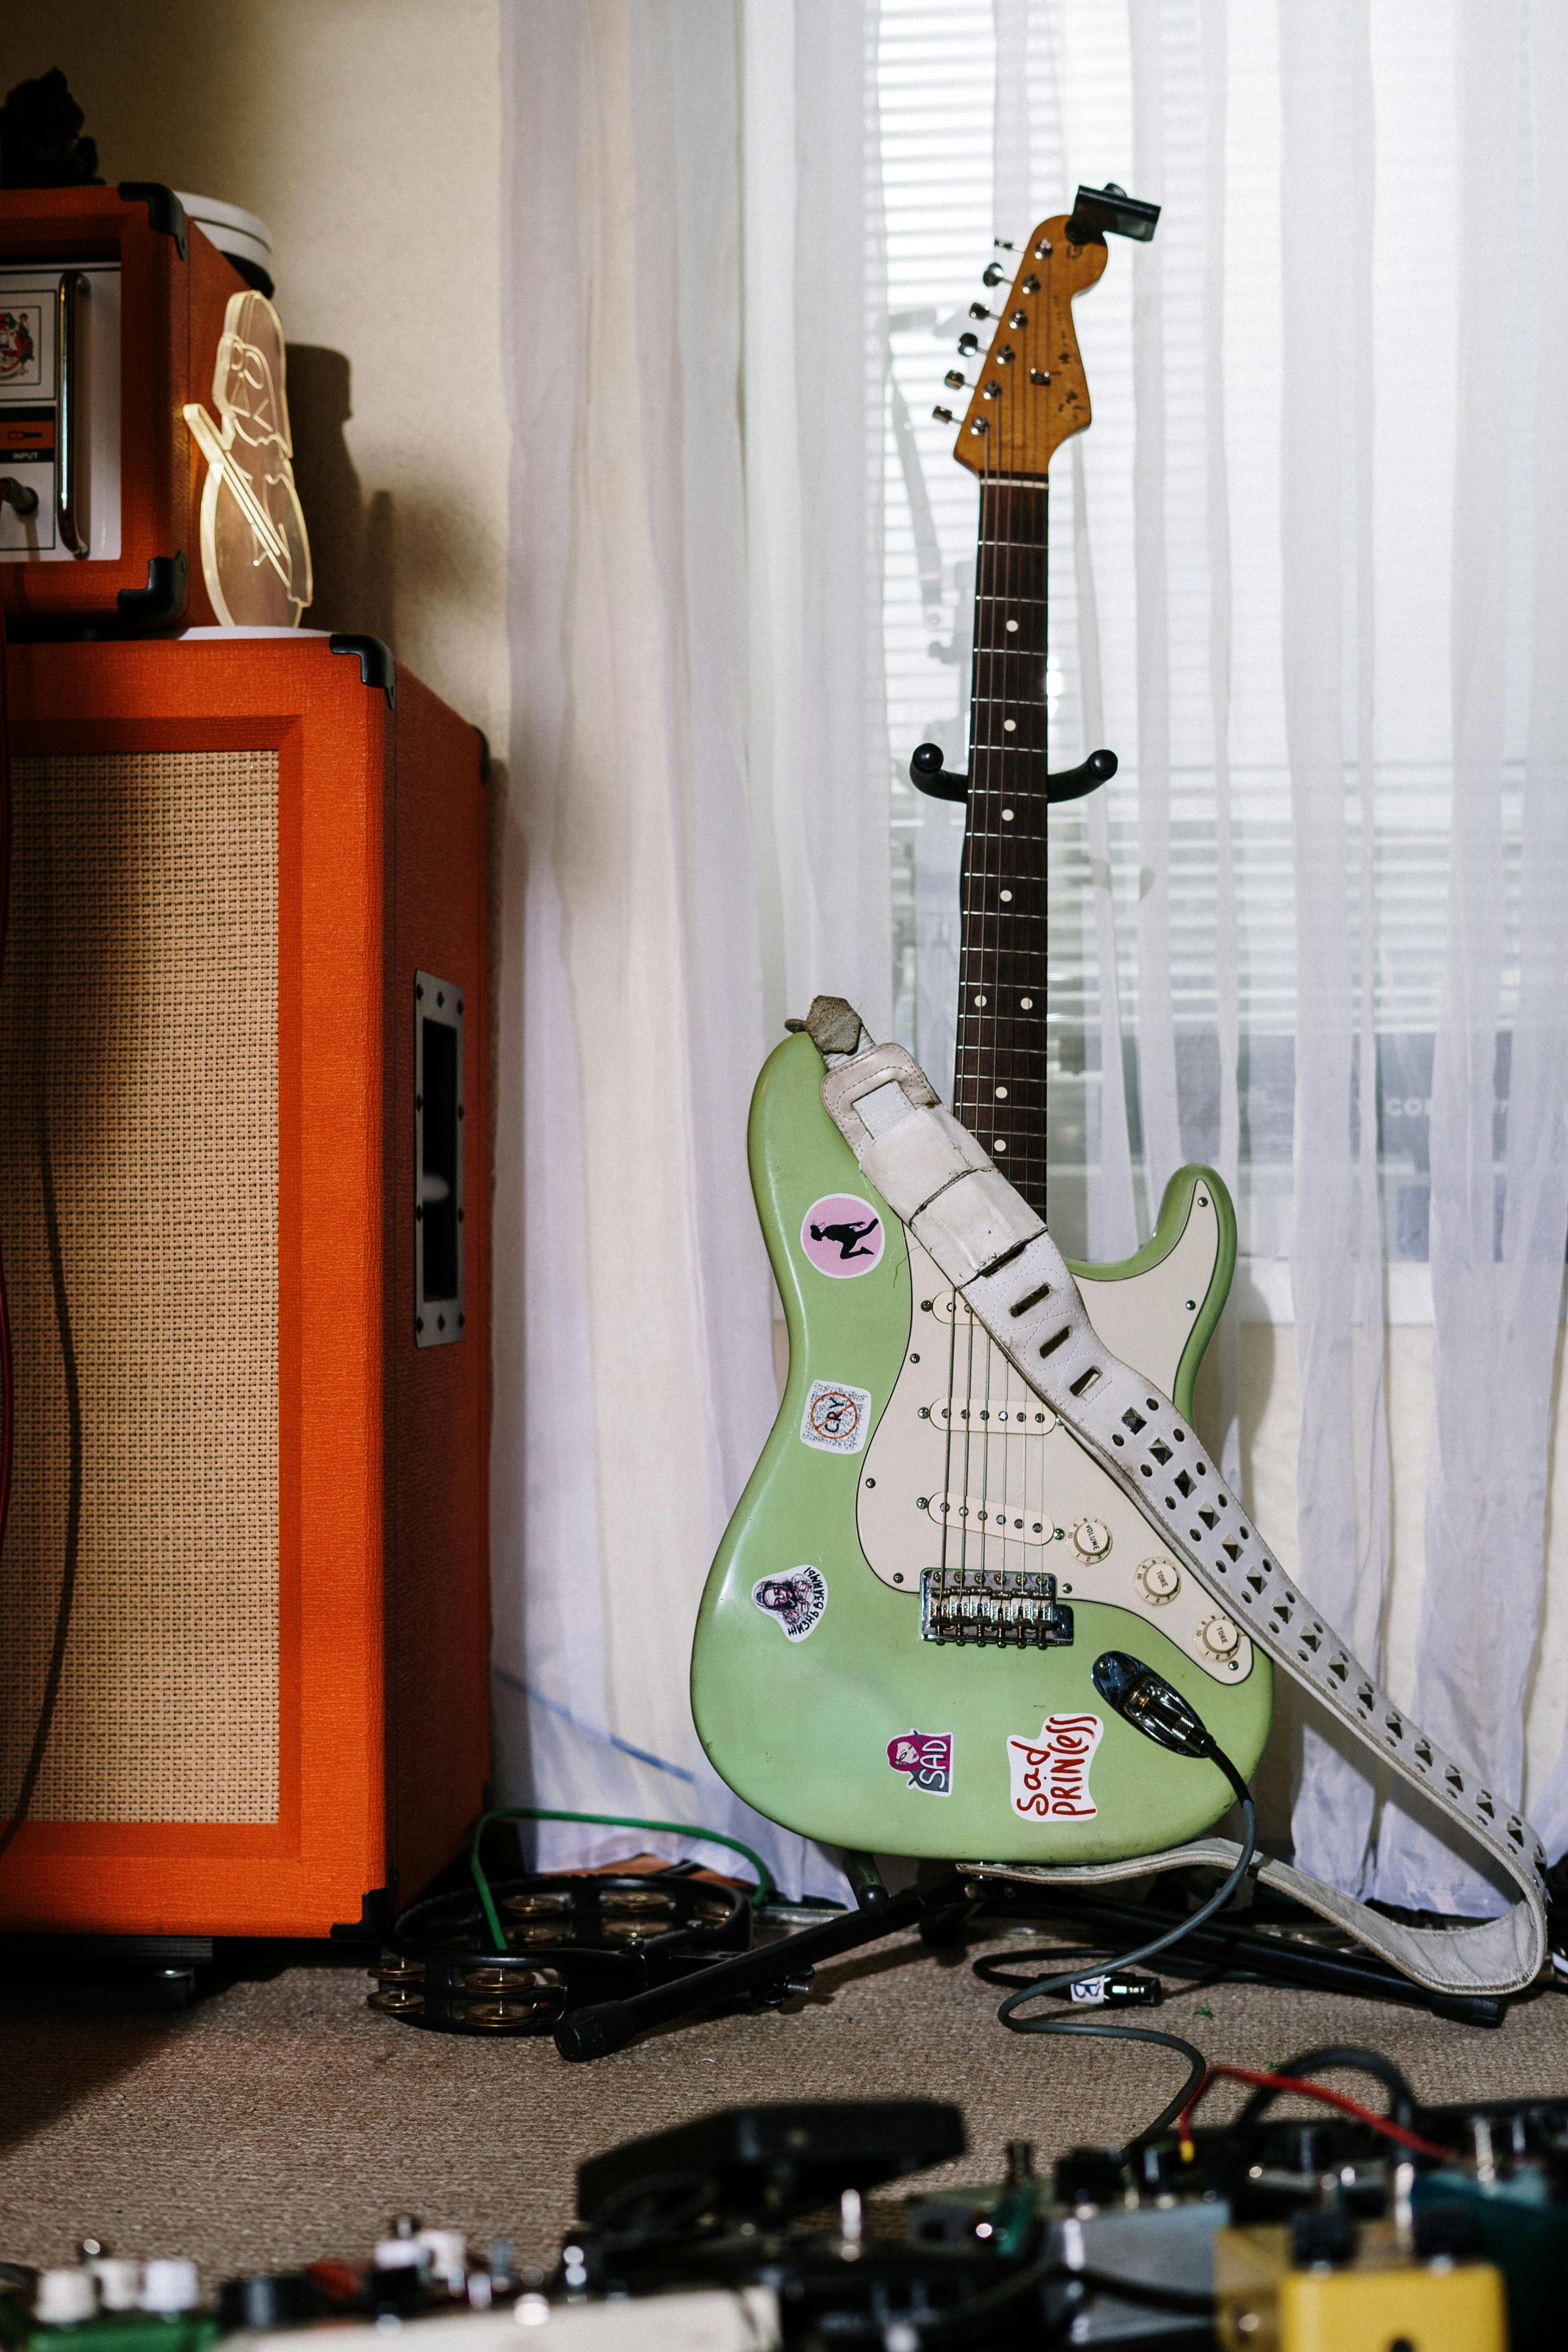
(1153, 1707)
(22, 1802)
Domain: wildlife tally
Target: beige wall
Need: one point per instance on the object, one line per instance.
(367, 135)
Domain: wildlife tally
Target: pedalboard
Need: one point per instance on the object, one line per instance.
(754, 2230)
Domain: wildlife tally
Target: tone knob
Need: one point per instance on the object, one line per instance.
(1157, 1578)
(1220, 1636)
(1092, 1539)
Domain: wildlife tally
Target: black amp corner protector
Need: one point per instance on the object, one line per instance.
(165, 213)
(377, 1911)
(377, 667)
(163, 597)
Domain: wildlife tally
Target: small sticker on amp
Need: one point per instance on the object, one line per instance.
(1050, 1775)
(926, 1758)
(794, 1600)
(842, 1236)
(836, 1417)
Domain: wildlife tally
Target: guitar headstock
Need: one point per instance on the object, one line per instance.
(1030, 392)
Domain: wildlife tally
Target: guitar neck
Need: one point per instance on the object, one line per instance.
(999, 1074)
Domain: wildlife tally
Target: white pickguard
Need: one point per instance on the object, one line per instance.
(968, 1468)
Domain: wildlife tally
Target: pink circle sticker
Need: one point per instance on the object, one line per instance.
(842, 1236)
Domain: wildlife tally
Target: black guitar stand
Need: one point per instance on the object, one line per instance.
(771, 1973)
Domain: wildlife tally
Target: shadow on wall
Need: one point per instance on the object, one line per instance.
(350, 536)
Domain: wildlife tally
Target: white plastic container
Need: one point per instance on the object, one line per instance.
(237, 234)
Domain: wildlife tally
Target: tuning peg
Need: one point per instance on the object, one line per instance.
(968, 345)
(978, 310)
(994, 274)
(1005, 244)
(942, 416)
(955, 379)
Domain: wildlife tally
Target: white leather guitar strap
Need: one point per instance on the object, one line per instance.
(997, 1255)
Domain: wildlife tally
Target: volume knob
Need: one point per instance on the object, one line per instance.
(1092, 1539)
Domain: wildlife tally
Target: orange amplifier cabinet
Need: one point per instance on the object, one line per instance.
(244, 1168)
(112, 305)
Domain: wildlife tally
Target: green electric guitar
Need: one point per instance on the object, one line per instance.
(893, 1648)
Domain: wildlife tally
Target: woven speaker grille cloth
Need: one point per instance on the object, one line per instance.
(139, 1028)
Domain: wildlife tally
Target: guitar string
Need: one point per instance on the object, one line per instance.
(980, 771)
(1006, 763)
(990, 907)
(1009, 769)
(950, 1504)
(1014, 674)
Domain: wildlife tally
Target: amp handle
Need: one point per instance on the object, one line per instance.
(73, 289)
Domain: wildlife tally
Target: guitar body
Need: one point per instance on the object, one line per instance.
(904, 1443)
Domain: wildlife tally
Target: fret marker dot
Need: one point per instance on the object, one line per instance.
(1006, 898)
(1009, 727)
(1028, 1002)
(1012, 628)
(1007, 816)
(999, 1145)
(1001, 1094)
(979, 1000)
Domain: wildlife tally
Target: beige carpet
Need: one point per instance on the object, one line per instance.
(282, 2120)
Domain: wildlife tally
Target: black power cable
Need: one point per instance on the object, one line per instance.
(63, 1606)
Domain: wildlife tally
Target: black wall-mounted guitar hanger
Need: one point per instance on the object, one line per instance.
(939, 783)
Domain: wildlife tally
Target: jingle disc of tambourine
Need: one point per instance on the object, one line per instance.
(569, 1938)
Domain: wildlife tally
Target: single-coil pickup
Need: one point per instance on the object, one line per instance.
(994, 1516)
(993, 1607)
(993, 1416)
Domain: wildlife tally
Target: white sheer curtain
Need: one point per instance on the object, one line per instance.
(677, 601)
(1306, 582)
(1499, 1218)
(1328, 647)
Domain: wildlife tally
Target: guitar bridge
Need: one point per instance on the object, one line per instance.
(1007, 1607)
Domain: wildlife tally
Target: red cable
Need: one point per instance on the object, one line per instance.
(1310, 2091)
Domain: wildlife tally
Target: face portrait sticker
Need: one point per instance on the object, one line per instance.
(836, 1417)
(794, 1600)
(926, 1758)
(842, 1236)
(21, 336)
(1050, 1775)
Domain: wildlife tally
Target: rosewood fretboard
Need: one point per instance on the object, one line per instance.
(999, 1076)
